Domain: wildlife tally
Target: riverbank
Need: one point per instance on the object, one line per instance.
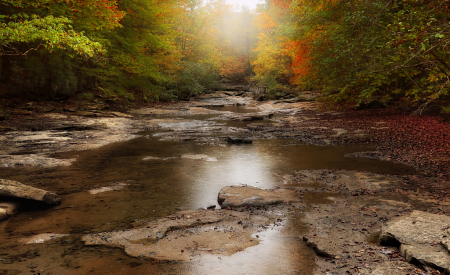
(343, 212)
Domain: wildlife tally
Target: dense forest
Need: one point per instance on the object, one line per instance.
(352, 50)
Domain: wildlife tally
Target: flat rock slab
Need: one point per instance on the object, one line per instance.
(423, 238)
(236, 196)
(42, 238)
(115, 187)
(8, 209)
(9, 188)
(186, 234)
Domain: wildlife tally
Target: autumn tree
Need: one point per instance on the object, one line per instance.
(41, 41)
(394, 50)
(282, 57)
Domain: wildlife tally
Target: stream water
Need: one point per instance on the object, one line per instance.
(164, 177)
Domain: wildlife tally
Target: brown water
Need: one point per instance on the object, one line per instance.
(162, 185)
(235, 109)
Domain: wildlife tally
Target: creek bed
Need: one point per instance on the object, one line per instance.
(160, 178)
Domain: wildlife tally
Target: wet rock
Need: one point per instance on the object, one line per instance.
(42, 238)
(184, 235)
(238, 140)
(244, 118)
(33, 160)
(8, 209)
(7, 128)
(94, 106)
(323, 248)
(199, 156)
(339, 132)
(70, 109)
(20, 112)
(93, 114)
(257, 117)
(152, 158)
(119, 114)
(258, 93)
(236, 196)
(9, 188)
(115, 187)
(422, 237)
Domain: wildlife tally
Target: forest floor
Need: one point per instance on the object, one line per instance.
(345, 211)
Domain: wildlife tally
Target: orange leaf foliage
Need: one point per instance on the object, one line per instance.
(299, 51)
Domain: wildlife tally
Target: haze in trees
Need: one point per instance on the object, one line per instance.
(354, 50)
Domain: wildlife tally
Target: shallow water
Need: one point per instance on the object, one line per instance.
(162, 180)
(235, 109)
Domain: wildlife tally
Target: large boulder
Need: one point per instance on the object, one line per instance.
(236, 196)
(9, 188)
(423, 239)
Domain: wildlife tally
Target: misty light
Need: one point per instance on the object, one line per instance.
(249, 3)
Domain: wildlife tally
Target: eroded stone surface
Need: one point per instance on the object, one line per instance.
(236, 196)
(9, 188)
(422, 237)
(186, 234)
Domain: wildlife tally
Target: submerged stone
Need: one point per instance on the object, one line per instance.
(236, 196)
(115, 187)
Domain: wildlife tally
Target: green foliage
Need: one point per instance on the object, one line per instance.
(86, 96)
(53, 73)
(49, 32)
(389, 49)
(195, 78)
(135, 50)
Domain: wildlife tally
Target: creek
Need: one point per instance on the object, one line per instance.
(162, 177)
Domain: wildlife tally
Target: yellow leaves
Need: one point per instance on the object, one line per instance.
(265, 22)
(435, 77)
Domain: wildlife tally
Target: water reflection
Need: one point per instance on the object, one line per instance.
(235, 109)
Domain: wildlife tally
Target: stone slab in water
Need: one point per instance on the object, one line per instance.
(423, 238)
(15, 189)
(236, 196)
(186, 234)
